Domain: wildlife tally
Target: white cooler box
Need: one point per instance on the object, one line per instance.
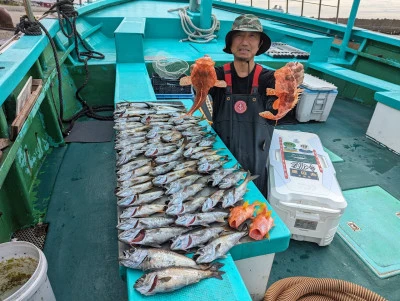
(302, 186)
(316, 101)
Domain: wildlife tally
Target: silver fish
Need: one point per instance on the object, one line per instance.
(211, 158)
(150, 237)
(186, 164)
(190, 151)
(134, 181)
(125, 157)
(203, 219)
(127, 142)
(153, 259)
(181, 208)
(207, 142)
(219, 174)
(212, 201)
(210, 166)
(156, 133)
(132, 190)
(185, 193)
(141, 171)
(132, 165)
(142, 210)
(140, 199)
(195, 238)
(179, 184)
(160, 150)
(205, 153)
(171, 157)
(218, 247)
(172, 136)
(171, 279)
(170, 177)
(164, 168)
(231, 180)
(235, 195)
(145, 223)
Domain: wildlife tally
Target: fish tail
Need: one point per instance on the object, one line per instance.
(217, 274)
(215, 266)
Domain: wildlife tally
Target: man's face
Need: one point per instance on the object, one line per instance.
(245, 45)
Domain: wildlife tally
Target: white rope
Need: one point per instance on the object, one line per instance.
(195, 34)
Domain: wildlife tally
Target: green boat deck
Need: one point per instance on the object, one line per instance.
(82, 248)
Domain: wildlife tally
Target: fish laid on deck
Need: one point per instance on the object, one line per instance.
(171, 279)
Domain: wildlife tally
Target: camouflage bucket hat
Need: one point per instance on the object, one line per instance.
(247, 22)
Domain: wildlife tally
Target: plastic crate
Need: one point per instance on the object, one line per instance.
(282, 50)
(165, 86)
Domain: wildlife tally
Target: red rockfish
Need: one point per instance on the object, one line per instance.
(287, 92)
(262, 223)
(240, 214)
(203, 78)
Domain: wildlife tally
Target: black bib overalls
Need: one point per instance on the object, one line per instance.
(244, 132)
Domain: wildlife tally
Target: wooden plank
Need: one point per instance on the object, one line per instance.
(4, 142)
(26, 109)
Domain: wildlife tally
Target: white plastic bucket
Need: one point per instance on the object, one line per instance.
(38, 285)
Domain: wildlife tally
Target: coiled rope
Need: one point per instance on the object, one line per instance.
(318, 289)
(66, 11)
(196, 34)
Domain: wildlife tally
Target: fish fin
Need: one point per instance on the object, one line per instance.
(205, 225)
(218, 274)
(218, 247)
(185, 81)
(271, 91)
(164, 279)
(267, 235)
(154, 246)
(275, 105)
(215, 266)
(220, 84)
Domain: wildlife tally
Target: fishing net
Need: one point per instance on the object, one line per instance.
(170, 68)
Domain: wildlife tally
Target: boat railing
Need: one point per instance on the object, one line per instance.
(303, 4)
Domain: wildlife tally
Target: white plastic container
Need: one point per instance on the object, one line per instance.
(316, 101)
(302, 186)
(37, 286)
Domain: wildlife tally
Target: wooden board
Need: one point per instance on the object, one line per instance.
(26, 109)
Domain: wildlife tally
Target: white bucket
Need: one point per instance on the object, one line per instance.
(38, 286)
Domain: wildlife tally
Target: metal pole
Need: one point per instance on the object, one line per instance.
(337, 11)
(28, 10)
(268, 4)
(349, 28)
(287, 6)
(302, 7)
(319, 9)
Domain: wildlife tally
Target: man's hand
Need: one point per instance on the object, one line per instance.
(298, 71)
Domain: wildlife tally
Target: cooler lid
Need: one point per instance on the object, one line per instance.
(302, 168)
(315, 83)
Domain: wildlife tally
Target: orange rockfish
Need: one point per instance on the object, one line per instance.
(261, 224)
(287, 92)
(203, 78)
(240, 214)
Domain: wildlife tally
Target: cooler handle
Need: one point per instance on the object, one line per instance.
(309, 208)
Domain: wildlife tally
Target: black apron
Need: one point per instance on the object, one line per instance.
(246, 134)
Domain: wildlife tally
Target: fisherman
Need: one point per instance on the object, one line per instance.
(236, 108)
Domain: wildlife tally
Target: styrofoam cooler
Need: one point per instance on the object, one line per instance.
(316, 100)
(302, 186)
